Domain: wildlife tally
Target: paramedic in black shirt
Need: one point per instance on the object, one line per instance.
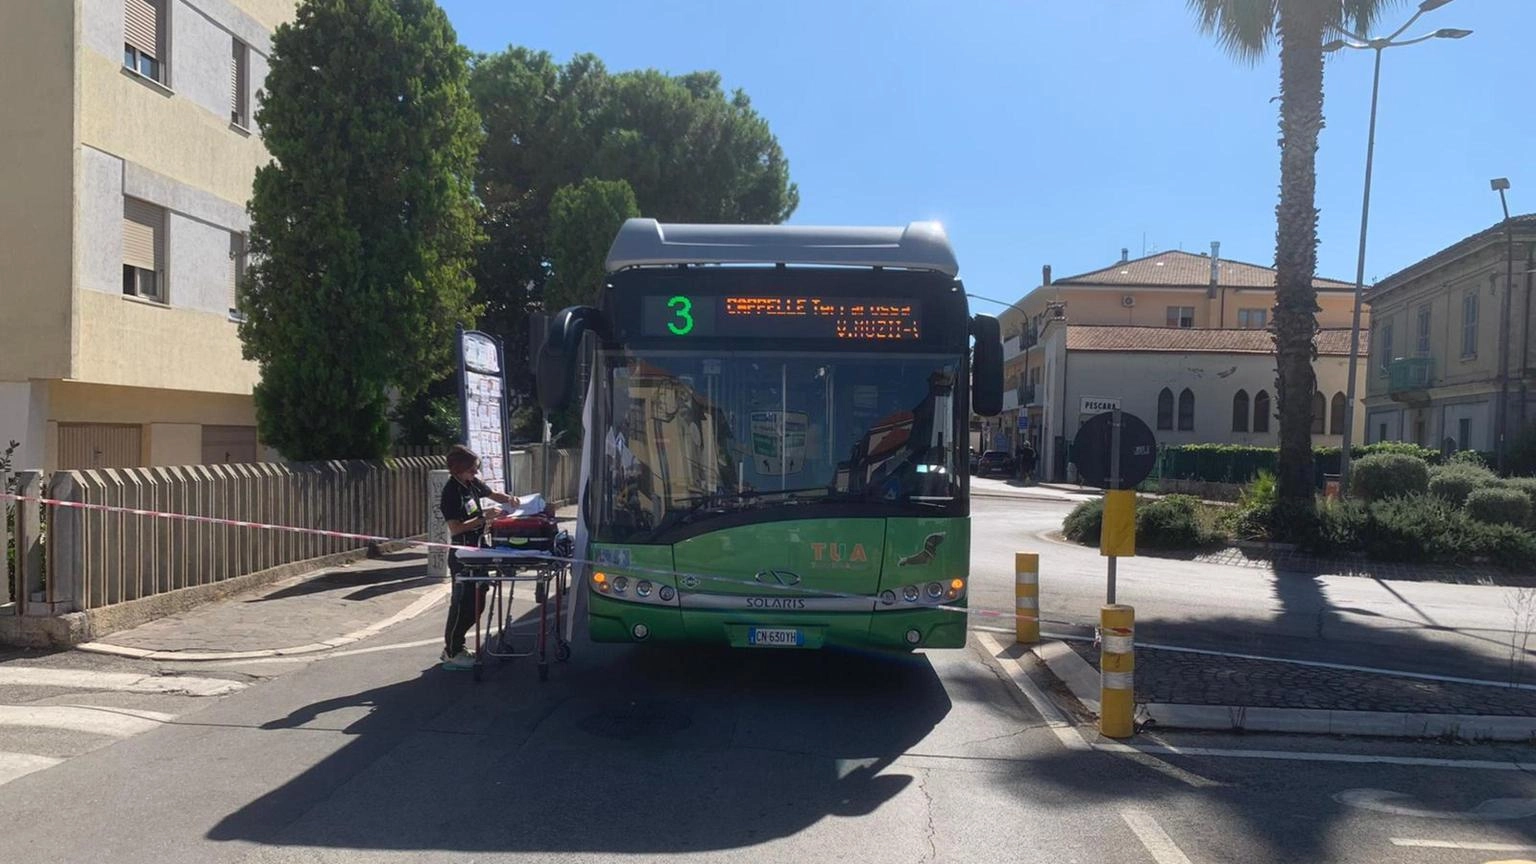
(466, 525)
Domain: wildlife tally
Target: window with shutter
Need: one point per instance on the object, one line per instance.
(237, 265)
(239, 65)
(142, 37)
(143, 249)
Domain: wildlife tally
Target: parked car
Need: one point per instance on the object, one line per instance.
(995, 462)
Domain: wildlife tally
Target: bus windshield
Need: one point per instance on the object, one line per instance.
(692, 436)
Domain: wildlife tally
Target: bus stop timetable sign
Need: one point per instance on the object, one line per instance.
(1091, 450)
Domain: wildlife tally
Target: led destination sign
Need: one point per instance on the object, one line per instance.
(889, 319)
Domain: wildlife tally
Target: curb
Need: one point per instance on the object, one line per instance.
(417, 607)
(1083, 680)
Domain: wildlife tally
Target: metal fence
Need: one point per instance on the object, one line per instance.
(90, 558)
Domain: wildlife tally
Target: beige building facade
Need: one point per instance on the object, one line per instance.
(127, 161)
(1436, 378)
(1172, 290)
(1191, 386)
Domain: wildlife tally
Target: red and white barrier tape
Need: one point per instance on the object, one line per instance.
(628, 570)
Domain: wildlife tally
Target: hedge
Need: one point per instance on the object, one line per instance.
(1233, 463)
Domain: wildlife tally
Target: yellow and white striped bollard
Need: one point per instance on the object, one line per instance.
(1117, 667)
(1026, 597)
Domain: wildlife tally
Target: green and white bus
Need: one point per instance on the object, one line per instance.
(775, 435)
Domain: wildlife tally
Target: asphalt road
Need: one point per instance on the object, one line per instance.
(1436, 628)
(371, 754)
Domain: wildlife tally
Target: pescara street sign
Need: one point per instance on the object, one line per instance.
(1097, 405)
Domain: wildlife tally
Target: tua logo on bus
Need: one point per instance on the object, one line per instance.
(838, 553)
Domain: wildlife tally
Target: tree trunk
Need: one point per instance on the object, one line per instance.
(1301, 28)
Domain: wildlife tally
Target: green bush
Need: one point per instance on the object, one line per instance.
(1467, 457)
(1340, 525)
(1172, 522)
(1527, 487)
(1499, 506)
(1419, 528)
(1085, 523)
(1388, 475)
(1506, 546)
(1456, 481)
(1252, 519)
(1233, 463)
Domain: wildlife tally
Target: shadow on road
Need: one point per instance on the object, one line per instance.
(623, 751)
(367, 582)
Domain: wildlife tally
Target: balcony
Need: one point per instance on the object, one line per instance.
(1409, 379)
(1026, 394)
(1010, 400)
(1012, 347)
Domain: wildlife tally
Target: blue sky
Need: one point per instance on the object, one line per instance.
(1059, 131)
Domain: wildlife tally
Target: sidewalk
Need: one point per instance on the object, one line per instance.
(313, 612)
(1185, 689)
(317, 611)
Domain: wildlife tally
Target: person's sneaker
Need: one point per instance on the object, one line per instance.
(458, 662)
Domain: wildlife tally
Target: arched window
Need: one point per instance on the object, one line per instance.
(1165, 409)
(1186, 410)
(1319, 413)
(1240, 411)
(1336, 425)
(1261, 412)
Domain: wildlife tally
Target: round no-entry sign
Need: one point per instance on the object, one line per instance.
(1092, 447)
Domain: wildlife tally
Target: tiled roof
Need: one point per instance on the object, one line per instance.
(1524, 225)
(1186, 269)
(1090, 337)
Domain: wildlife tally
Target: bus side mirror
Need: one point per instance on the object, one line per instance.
(986, 367)
(555, 376)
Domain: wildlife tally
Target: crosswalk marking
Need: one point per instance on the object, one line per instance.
(126, 682)
(13, 765)
(115, 722)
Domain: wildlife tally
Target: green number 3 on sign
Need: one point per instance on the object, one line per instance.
(682, 309)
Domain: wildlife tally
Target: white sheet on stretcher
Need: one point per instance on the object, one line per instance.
(531, 504)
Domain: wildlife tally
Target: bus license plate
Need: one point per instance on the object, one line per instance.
(775, 637)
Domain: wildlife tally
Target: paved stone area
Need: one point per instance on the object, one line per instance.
(1176, 677)
(1293, 561)
(324, 605)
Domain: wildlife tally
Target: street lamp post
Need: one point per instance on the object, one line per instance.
(1501, 185)
(1378, 45)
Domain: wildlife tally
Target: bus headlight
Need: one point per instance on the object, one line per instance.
(888, 597)
(643, 589)
(666, 593)
(935, 590)
(620, 584)
(909, 593)
(600, 581)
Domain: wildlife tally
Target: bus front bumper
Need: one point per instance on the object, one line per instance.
(612, 620)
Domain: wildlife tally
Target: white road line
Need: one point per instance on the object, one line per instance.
(1054, 719)
(1152, 836)
(13, 765)
(1300, 756)
(125, 682)
(1414, 843)
(114, 722)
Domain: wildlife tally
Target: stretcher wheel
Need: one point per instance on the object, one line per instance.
(563, 652)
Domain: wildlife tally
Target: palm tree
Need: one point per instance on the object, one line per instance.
(1246, 28)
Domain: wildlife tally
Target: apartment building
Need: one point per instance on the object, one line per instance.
(1174, 289)
(127, 157)
(1436, 378)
